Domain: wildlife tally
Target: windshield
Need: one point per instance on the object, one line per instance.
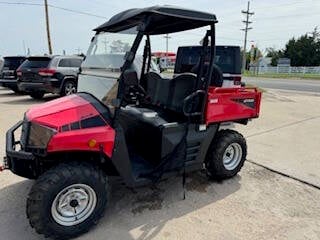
(227, 58)
(102, 66)
(107, 50)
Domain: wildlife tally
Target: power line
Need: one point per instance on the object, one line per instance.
(246, 29)
(273, 6)
(281, 5)
(76, 11)
(52, 6)
(21, 3)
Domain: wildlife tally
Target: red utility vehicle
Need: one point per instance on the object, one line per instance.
(131, 123)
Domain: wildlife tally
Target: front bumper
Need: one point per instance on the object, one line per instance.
(18, 161)
(47, 87)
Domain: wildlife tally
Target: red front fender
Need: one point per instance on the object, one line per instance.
(78, 140)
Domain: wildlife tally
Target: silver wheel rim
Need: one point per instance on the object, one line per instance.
(70, 88)
(74, 204)
(232, 156)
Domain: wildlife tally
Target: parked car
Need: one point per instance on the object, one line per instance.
(227, 58)
(8, 74)
(49, 74)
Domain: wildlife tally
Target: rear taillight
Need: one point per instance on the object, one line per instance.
(46, 72)
(237, 80)
(18, 72)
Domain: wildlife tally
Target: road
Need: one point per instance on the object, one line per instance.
(285, 84)
(256, 204)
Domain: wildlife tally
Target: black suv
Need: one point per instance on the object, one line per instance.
(228, 59)
(49, 74)
(8, 75)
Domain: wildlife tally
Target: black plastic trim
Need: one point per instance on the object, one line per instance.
(100, 107)
(10, 143)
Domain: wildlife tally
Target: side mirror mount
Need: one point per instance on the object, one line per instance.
(116, 102)
(130, 78)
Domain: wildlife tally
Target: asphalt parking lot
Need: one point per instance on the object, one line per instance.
(256, 204)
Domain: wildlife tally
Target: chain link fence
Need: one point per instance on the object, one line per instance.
(285, 70)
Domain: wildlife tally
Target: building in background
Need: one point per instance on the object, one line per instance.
(165, 60)
(264, 62)
(284, 62)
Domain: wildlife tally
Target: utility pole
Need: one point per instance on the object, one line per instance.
(47, 25)
(246, 29)
(167, 37)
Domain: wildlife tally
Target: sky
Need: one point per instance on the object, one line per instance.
(274, 23)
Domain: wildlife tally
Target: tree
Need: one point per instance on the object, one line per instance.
(119, 46)
(274, 55)
(303, 51)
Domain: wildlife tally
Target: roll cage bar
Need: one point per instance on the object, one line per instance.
(159, 20)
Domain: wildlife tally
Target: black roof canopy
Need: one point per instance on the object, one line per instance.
(161, 20)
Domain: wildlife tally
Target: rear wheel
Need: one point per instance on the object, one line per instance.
(69, 87)
(226, 155)
(37, 95)
(67, 200)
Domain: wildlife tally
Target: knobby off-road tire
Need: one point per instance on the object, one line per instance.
(226, 155)
(53, 197)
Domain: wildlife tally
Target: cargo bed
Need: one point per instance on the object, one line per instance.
(232, 104)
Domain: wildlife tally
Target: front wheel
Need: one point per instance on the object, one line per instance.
(67, 200)
(226, 155)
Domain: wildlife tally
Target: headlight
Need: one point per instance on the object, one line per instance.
(39, 135)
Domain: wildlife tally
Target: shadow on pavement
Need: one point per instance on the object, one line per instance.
(147, 209)
(13, 222)
(9, 93)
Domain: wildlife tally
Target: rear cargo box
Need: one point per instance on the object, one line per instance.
(232, 104)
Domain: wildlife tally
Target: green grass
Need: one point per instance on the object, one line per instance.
(284, 75)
